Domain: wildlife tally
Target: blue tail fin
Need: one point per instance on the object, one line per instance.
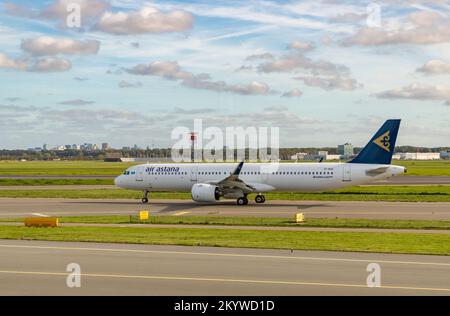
(381, 147)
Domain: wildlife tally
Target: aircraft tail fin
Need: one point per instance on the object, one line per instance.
(380, 148)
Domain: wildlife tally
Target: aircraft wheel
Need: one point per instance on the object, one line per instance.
(144, 200)
(260, 199)
(242, 201)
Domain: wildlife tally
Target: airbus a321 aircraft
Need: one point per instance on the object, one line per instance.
(208, 182)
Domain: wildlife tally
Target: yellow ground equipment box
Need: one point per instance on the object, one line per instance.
(299, 218)
(143, 215)
(41, 222)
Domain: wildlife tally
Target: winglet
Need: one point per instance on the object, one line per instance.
(238, 169)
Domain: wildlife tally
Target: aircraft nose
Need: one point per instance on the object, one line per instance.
(117, 181)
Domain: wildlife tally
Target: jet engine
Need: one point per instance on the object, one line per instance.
(204, 192)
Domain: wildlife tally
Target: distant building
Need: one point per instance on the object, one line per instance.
(75, 147)
(299, 156)
(44, 147)
(332, 157)
(105, 146)
(86, 146)
(420, 156)
(68, 147)
(445, 154)
(345, 150)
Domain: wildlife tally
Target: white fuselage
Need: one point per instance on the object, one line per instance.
(292, 177)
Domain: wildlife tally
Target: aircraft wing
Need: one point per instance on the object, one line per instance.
(232, 182)
(376, 171)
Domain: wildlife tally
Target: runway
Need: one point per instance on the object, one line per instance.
(39, 268)
(19, 207)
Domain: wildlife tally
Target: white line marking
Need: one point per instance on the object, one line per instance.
(180, 213)
(227, 255)
(39, 214)
(179, 278)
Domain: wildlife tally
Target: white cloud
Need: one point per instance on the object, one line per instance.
(57, 10)
(267, 56)
(89, 8)
(434, 67)
(418, 91)
(292, 93)
(146, 20)
(296, 61)
(172, 71)
(423, 28)
(45, 64)
(7, 62)
(46, 45)
(50, 64)
(76, 102)
(301, 46)
(348, 17)
(252, 88)
(331, 83)
(126, 84)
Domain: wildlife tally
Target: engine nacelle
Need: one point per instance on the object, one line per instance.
(204, 192)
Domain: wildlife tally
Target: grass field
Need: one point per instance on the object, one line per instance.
(253, 221)
(34, 182)
(79, 168)
(371, 193)
(437, 244)
(62, 168)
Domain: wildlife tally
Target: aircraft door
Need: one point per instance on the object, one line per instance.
(194, 173)
(347, 173)
(140, 174)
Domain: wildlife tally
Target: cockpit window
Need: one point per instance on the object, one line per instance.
(126, 173)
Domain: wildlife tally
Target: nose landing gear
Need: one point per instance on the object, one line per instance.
(260, 199)
(145, 198)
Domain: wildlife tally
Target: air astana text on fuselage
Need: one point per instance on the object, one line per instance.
(208, 182)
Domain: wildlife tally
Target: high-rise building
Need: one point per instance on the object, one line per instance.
(345, 150)
(44, 147)
(105, 146)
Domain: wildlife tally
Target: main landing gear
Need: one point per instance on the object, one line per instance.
(242, 201)
(259, 199)
(145, 198)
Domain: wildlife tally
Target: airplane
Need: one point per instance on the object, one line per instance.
(209, 182)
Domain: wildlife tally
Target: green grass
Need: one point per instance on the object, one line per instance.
(370, 193)
(254, 221)
(62, 168)
(76, 168)
(425, 168)
(34, 182)
(437, 244)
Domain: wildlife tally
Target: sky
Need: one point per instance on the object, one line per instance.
(130, 72)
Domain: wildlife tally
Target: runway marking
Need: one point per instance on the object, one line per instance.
(180, 213)
(227, 255)
(39, 214)
(179, 278)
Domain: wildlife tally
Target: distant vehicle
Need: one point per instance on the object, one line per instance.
(208, 182)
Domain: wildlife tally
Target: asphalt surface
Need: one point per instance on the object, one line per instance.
(18, 207)
(39, 268)
(401, 180)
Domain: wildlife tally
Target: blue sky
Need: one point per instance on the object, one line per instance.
(323, 72)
